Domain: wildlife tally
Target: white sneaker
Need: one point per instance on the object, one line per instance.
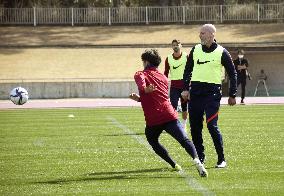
(200, 168)
(221, 165)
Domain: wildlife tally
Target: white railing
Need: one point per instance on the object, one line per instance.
(163, 14)
(16, 16)
(143, 15)
(53, 15)
(240, 12)
(202, 13)
(128, 15)
(271, 11)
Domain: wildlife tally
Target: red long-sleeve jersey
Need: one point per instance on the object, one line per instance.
(156, 105)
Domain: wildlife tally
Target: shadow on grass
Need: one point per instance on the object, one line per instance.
(130, 172)
(123, 134)
(126, 134)
(213, 167)
(120, 175)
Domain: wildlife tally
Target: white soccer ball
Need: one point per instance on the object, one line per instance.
(19, 96)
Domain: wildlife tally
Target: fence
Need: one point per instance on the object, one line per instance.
(142, 15)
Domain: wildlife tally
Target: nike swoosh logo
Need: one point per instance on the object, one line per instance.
(200, 62)
(177, 66)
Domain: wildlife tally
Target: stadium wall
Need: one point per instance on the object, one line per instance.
(55, 90)
(272, 62)
(269, 60)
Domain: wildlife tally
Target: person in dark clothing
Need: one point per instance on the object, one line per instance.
(202, 78)
(241, 65)
(159, 112)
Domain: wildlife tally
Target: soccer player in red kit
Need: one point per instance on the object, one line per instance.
(158, 111)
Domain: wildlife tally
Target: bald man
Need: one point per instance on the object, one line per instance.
(203, 78)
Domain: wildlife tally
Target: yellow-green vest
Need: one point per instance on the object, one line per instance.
(207, 66)
(177, 66)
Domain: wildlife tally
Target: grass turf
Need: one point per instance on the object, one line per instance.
(104, 151)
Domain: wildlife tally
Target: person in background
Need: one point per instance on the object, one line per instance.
(174, 68)
(262, 75)
(203, 78)
(241, 65)
(159, 112)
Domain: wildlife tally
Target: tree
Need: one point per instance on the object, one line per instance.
(13, 3)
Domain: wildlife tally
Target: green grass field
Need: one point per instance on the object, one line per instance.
(104, 152)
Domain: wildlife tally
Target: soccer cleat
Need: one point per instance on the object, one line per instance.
(177, 167)
(221, 164)
(200, 168)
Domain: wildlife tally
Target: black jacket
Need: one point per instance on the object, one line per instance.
(241, 74)
(204, 88)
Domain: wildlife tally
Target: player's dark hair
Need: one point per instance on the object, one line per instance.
(176, 41)
(241, 51)
(152, 56)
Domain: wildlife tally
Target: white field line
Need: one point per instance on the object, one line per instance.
(193, 183)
